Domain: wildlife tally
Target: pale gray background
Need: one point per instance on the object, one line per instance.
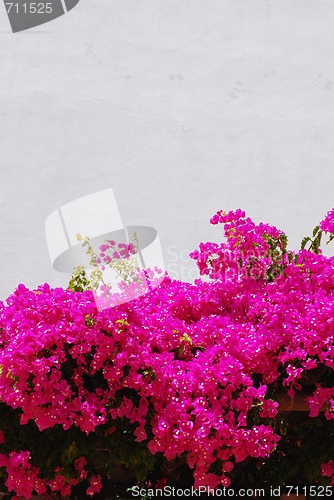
(183, 107)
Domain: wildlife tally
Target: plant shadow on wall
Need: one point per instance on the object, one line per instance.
(185, 384)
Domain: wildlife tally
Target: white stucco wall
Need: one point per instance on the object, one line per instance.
(183, 107)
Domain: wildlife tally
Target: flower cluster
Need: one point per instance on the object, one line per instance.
(251, 250)
(327, 224)
(116, 276)
(186, 370)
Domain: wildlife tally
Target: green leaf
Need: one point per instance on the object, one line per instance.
(284, 241)
(181, 350)
(315, 230)
(283, 427)
(185, 338)
(72, 451)
(304, 241)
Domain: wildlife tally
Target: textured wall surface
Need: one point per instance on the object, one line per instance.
(183, 107)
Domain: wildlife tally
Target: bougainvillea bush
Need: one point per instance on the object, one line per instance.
(182, 382)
